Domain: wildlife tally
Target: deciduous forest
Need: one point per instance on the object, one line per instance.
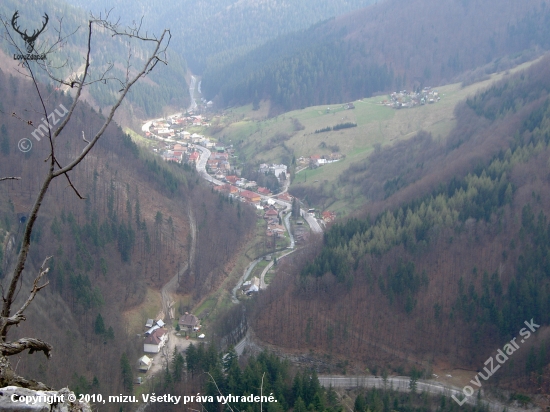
(450, 265)
(445, 262)
(130, 234)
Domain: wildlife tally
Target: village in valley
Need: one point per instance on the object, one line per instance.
(407, 99)
(171, 139)
(175, 144)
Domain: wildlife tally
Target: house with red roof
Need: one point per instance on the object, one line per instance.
(285, 197)
(328, 216)
(271, 213)
(250, 196)
(231, 179)
(227, 188)
(155, 341)
(193, 157)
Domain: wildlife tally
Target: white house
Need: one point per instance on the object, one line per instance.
(145, 363)
(155, 341)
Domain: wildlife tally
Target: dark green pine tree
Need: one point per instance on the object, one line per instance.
(299, 405)
(127, 374)
(360, 403)
(178, 363)
(99, 325)
(4, 141)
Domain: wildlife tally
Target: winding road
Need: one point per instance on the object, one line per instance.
(399, 383)
(402, 384)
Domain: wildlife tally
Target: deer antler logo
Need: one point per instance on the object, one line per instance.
(29, 40)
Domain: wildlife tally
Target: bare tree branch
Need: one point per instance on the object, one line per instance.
(158, 54)
(34, 345)
(18, 316)
(55, 169)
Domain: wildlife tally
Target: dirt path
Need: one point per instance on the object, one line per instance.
(161, 359)
(171, 286)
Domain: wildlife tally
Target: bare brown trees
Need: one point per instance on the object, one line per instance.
(61, 167)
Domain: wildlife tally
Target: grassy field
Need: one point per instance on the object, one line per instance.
(258, 269)
(149, 308)
(377, 124)
(139, 139)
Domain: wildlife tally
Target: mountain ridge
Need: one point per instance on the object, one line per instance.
(386, 46)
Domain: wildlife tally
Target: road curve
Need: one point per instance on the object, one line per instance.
(402, 384)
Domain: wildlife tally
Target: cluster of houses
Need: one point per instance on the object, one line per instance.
(175, 153)
(182, 152)
(404, 99)
(238, 189)
(280, 171)
(235, 186)
(317, 160)
(218, 162)
(180, 122)
(246, 190)
(243, 195)
(271, 215)
(156, 337)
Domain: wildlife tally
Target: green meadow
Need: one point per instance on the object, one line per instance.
(258, 138)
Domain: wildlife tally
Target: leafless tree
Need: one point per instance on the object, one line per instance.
(157, 49)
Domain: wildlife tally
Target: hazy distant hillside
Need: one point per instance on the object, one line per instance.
(217, 31)
(166, 88)
(391, 45)
(450, 264)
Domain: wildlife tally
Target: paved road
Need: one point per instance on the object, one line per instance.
(201, 168)
(401, 383)
(269, 265)
(311, 221)
(287, 224)
(246, 273)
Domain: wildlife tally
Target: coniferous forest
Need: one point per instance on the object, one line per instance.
(455, 264)
(442, 261)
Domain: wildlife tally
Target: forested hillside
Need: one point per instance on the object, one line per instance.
(129, 236)
(444, 267)
(163, 89)
(387, 46)
(208, 32)
(212, 374)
